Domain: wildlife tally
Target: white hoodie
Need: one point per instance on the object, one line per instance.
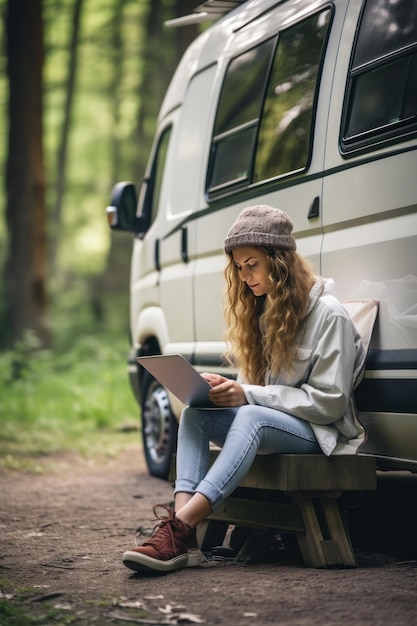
(319, 388)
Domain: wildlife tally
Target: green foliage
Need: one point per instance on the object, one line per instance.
(77, 400)
(79, 308)
(12, 615)
(101, 148)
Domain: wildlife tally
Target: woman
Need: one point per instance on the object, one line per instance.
(297, 353)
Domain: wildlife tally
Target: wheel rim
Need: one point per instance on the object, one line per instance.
(157, 422)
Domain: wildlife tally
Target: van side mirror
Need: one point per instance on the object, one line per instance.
(121, 213)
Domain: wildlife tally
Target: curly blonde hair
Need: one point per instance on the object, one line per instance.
(263, 332)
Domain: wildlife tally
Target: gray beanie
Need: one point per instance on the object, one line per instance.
(262, 226)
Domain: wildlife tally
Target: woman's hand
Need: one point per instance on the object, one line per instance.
(225, 391)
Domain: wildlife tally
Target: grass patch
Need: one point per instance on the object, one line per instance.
(78, 401)
(16, 610)
(13, 615)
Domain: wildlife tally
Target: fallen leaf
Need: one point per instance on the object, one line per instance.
(63, 607)
(189, 618)
(131, 605)
(119, 615)
(171, 609)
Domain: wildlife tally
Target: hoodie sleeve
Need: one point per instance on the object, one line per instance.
(322, 394)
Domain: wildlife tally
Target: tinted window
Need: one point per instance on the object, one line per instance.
(238, 115)
(233, 156)
(153, 190)
(286, 127)
(243, 88)
(382, 89)
(264, 122)
(386, 27)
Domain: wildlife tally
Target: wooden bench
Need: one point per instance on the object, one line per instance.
(300, 495)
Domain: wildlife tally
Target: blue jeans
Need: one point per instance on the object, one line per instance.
(242, 433)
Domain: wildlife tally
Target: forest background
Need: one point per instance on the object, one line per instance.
(81, 83)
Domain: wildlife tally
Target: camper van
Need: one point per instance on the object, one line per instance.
(309, 106)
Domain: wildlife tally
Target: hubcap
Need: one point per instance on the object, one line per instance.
(157, 422)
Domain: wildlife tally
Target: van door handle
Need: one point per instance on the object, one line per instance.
(314, 210)
(157, 259)
(184, 244)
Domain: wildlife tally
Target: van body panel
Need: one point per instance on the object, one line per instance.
(186, 68)
(151, 322)
(189, 161)
(388, 437)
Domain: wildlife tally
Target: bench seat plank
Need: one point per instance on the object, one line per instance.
(310, 472)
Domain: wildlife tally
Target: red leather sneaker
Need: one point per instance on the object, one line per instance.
(166, 550)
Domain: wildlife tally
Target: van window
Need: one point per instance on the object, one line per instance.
(153, 191)
(238, 115)
(382, 89)
(286, 127)
(264, 121)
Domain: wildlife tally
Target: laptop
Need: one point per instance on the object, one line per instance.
(179, 377)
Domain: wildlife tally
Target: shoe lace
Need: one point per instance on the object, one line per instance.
(162, 530)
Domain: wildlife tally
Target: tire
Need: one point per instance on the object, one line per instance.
(159, 427)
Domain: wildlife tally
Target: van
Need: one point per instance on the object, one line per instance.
(309, 106)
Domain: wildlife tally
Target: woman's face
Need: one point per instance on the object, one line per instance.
(253, 266)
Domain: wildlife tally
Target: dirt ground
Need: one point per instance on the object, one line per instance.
(63, 533)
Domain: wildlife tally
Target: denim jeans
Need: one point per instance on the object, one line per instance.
(241, 433)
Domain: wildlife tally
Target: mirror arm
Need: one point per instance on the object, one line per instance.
(140, 225)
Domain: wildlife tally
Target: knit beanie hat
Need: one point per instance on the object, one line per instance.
(263, 226)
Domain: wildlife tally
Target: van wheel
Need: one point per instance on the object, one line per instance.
(159, 427)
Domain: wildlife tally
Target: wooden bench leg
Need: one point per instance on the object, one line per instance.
(211, 533)
(325, 542)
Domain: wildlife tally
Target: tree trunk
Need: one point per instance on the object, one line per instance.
(26, 264)
(63, 143)
(115, 279)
